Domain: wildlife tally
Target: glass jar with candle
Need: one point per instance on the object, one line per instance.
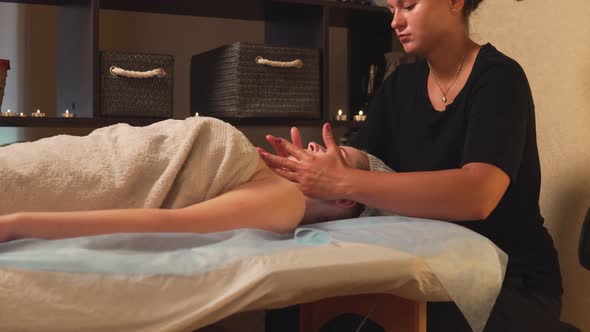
(340, 116)
(38, 114)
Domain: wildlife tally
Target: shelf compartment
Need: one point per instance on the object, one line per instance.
(101, 122)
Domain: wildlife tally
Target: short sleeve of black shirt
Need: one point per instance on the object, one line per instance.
(497, 122)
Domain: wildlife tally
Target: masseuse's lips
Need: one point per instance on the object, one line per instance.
(403, 37)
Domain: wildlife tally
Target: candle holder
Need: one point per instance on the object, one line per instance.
(68, 114)
(38, 114)
(360, 117)
(340, 116)
(8, 114)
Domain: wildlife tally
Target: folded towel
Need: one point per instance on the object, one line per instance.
(169, 164)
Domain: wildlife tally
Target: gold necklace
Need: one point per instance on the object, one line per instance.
(444, 93)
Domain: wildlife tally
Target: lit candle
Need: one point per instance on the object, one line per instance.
(360, 117)
(8, 113)
(340, 116)
(38, 114)
(22, 115)
(67, 114)
(197, 114)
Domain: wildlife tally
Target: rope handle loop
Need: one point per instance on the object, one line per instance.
(297, 63)
(116, 71)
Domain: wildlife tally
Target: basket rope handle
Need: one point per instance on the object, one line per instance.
(116, 71)
(298, 63)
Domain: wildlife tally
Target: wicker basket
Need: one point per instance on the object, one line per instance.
(136, 85)
(256, 81)
(4, 66)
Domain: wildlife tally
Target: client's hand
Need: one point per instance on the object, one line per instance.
(318, 173)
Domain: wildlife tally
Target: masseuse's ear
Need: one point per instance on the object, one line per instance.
(456, 6)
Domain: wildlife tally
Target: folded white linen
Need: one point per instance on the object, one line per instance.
(169, 164)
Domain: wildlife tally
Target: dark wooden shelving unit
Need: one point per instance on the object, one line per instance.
(73, 122)
(296, 23)
(53, 122)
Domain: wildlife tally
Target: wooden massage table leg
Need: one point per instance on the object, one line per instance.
(393, 313)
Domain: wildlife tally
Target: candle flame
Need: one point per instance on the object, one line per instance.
(339, 112)
(360, 112)
(8, 111)
(38, 111)
(67, 111)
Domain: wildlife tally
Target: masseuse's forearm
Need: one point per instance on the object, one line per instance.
(452, 195)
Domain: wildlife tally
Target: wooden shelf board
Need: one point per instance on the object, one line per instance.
(101, 122)
(72, 122)
(234, 9)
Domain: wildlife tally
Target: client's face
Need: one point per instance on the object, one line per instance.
(324, 210)
(354, 158)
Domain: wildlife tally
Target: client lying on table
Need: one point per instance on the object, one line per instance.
(195, 175)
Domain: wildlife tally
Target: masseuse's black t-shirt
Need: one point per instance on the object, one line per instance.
(492, 120)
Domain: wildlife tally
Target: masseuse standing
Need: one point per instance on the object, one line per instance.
(459, 127)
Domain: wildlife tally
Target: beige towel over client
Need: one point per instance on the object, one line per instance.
(170, 164)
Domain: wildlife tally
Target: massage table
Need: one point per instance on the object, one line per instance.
(387, 267)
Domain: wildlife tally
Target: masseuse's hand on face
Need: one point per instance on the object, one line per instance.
(317, 172)
(279, 148)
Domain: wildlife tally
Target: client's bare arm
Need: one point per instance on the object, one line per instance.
(266, 201)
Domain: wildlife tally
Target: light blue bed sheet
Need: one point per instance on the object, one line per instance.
(467, 264)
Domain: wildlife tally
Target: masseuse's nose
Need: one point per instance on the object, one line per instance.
(398, 22)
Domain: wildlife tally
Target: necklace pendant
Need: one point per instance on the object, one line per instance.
(444, 99)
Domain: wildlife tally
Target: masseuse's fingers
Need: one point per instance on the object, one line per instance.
(279, 162)
(329, 137)
(296, 137)
(291, 176)
(279, 150)
(293, 150)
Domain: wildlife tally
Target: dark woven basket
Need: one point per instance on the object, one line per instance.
(228, 83)
(136, 97)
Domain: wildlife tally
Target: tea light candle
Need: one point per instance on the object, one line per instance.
(360, 117)
(340, 116)
(67, 114)
(38, 114)
(22, 115)
(8, 113)
(197, 114)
